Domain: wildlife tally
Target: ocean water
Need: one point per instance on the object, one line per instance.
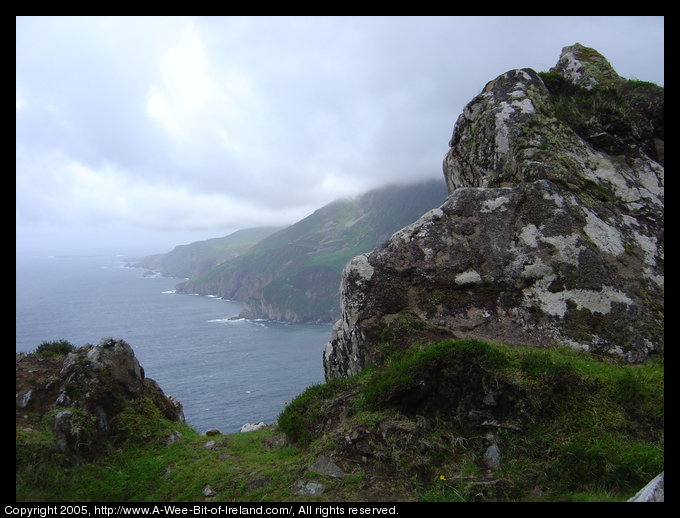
(225, 372)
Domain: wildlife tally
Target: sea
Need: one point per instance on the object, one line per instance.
(226, 371)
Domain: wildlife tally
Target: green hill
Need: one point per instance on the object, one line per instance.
(294, 274)
(198, 257)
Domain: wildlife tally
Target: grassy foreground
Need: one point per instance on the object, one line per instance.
(569, 427)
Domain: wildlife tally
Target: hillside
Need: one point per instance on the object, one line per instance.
(198, 257)
(507, 346)
(294, 274)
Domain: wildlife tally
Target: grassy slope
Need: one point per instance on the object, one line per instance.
(587, 429)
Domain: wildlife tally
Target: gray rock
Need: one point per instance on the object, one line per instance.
(652, 492)
(542, 240)
(23, 398)
(251, 427)
(212, 431)
(492, 457)
(96, 382)
(62, 430)
(325, 466)
(114, 355)
(208, 491)
(308, 488)
(585, 67)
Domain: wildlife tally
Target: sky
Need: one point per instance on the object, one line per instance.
(137, 134)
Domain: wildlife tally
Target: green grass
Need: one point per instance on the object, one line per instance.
(588, 429)
(178, 472)
(591, 428)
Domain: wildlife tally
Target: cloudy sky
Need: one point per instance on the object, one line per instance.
(134, 135)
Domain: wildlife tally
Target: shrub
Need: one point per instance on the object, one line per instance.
(140, 422)
(55, 348)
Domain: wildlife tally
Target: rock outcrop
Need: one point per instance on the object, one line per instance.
(552, 233)
(96, 385)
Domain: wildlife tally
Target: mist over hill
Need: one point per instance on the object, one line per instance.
(294, 274)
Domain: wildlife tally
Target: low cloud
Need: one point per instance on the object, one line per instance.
(214, 124)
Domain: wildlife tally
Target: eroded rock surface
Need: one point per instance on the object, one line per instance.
(546, 237)
(98, 383)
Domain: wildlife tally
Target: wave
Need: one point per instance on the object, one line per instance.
(227, 319)
(169, 291)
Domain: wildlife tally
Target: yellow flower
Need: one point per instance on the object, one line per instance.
(442, 477)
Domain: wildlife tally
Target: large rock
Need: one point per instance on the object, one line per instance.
(96, 384)
(585, 67)
(652, 492)
(544, 239)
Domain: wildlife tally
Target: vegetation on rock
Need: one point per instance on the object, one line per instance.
(567, 426)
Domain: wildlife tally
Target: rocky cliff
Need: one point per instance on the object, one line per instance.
(294, 274)
(552, 233)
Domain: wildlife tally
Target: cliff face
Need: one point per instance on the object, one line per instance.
(294, 274)
(552, 232)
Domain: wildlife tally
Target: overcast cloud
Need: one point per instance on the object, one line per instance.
(134, 135)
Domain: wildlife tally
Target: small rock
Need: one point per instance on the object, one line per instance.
(212, 431)
(208, 491)
(325, 466)
(210, 445)
(251, 427)
(308, 488)
(492, 457)
(23, 398)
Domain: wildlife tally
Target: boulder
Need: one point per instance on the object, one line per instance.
(585, 67)
(96, 384)
(251, 427)
(325, 466)
(543, 240)
(652, 492)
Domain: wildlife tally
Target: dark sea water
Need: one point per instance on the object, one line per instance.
(225, 372)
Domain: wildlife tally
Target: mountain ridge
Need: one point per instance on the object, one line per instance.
(293, 275)
(197, 257)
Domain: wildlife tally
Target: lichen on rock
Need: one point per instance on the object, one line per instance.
(545, 238)
(105, 395)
